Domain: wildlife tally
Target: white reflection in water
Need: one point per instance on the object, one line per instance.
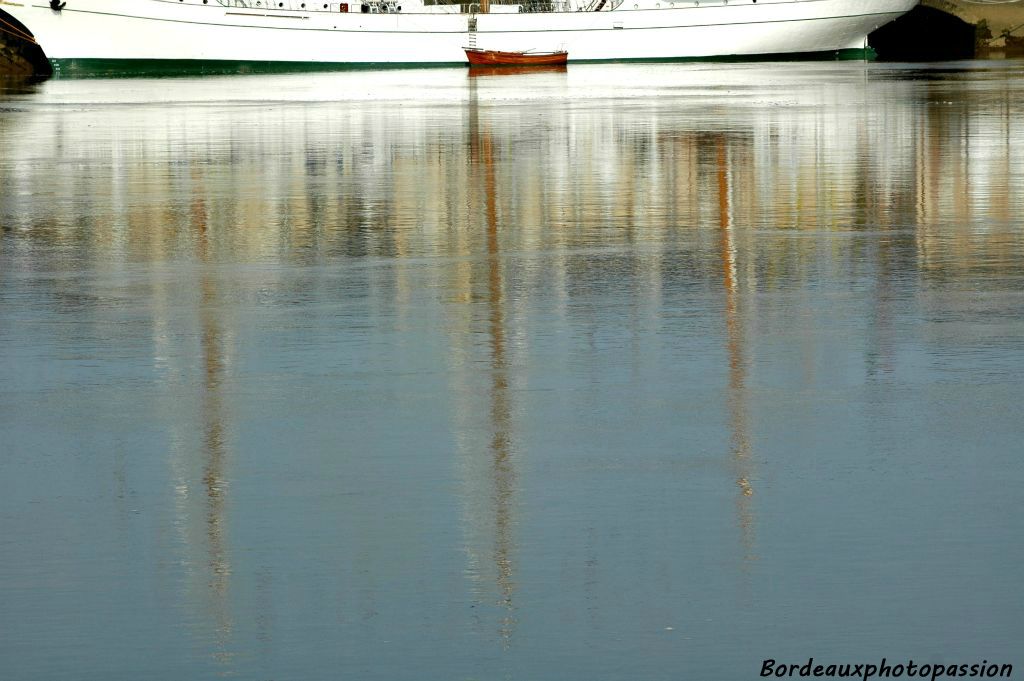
(463, 366)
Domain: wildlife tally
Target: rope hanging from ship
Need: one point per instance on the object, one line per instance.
(17, 32)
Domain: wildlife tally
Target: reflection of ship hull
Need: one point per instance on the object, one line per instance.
(478, 71)
(296, 33)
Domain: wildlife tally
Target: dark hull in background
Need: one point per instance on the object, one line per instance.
(19, 53)
(925, 34)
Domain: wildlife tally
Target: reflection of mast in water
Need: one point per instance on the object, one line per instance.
(504, 473)
(500, 467)
(737, 393)
(881, 346)
(201, 482)
(214, 446)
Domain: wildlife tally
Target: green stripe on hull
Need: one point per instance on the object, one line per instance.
(131, 68)
(161, 68)
(856, 54)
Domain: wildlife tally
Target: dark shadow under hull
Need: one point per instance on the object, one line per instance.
(20, 55)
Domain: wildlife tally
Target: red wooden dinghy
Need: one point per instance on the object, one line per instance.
(497, 58)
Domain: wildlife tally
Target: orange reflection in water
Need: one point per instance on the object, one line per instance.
(737, 391)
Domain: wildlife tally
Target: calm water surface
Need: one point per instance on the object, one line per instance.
(615, 372)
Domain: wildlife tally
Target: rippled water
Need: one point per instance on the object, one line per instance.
(610, 372)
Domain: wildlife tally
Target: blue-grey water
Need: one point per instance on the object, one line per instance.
(609, 372)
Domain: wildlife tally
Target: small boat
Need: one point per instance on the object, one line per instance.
(498, 58)
(1014, 43)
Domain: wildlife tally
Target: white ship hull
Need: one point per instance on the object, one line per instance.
(319, 32)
